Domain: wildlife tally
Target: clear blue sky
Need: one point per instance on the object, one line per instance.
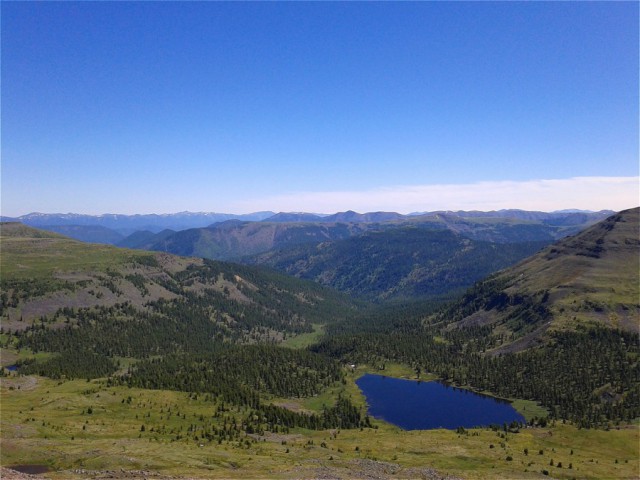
(158, 107)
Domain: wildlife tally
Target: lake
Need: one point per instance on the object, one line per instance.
(414, 405)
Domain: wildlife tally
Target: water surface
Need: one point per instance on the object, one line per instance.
(414, 405)
(30, 469)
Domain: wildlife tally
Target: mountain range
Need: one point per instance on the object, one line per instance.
(235, 239)
(588, 278)
(139, 353)
(113, 228)
(376, 256)
(128, 224)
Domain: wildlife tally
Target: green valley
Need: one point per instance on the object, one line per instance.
(145, 364)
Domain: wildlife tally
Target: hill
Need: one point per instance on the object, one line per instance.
(234, 239)
(152, 321)
(87, 233)
(404, 262)
(145, 239)
(590, 278)
(559, 328)
(45, 274)
(127, 224)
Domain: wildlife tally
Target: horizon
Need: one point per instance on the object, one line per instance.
(184, 212)
(615, 194)
(245, 107)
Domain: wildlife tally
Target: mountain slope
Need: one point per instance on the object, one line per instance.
(74, 310)
(560, 328)
(372, 217)
(127, 224)
(398, 263)
(52, 278)
(87, 233)
(144, 239)
(377, 256)
(588, 279)
(235, 239)
(499, 227)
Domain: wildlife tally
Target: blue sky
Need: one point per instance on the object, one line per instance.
(159, 107)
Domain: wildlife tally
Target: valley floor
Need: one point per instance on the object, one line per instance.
(81, 429)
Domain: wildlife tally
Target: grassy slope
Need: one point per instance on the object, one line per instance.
(593, 276)
(43, 423)
(47, 271)
(590, 278)
(29, 253)
(60, 272)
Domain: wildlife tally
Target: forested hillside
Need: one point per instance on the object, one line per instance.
(570, 311)
(377, 256)
(87, 307)
(44, 273)
(589, 376)
(124, 331)
(234, 239)
(400, 263)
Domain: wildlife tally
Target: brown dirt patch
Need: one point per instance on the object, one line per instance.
(20, 383)
(368, 469)
(9, 474)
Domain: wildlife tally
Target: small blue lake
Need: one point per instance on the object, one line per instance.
(413, 405)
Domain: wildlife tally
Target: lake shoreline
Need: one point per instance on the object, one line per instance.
(432, 404)
(529, 409)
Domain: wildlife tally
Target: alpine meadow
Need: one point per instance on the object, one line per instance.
(166, 365)
(428, 266)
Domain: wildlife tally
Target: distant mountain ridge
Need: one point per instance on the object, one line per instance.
(128, 224)
(501, 226)
(87, 233)
(235, 239)
(184, 220)
(562, 217)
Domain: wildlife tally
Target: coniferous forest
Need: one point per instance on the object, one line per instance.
(218, 332)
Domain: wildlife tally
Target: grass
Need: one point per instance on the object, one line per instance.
(529, 409)
(46, 422)
(29, 258)
(10, 356)
(397, 370)
(305, 339)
